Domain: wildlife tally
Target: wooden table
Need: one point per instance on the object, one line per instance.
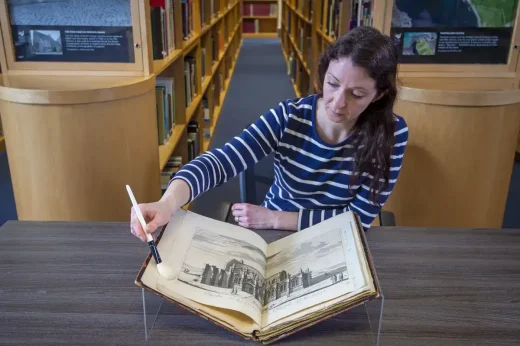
(73, 283)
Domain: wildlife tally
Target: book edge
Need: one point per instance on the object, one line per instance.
(368, 255)
(376, 295)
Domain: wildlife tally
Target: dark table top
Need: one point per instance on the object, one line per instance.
(73, 283)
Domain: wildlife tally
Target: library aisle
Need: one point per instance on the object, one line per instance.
(259, 82)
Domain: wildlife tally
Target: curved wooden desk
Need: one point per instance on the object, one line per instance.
(459, 158)
(74, 142)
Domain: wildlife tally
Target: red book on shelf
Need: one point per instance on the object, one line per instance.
(158, 3)
(261, 10)
(249, 26)
(246, 10)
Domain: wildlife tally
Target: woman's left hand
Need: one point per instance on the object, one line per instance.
(253, 216)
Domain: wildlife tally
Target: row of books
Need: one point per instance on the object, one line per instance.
(207, 10)
(190, 81)
(165, 106)
(362, 13)
(199, 128)
(165, 91)
(259, 9)
(292, 66)
(332, 13)
(251, 26)
(304, 42)
(175, 162)
(163, 27)
(162, 21)
(172, 166)
(304, 7)
(193, 140)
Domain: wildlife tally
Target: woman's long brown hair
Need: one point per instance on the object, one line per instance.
(375, 127)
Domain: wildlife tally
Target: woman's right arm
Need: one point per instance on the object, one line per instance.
(215, 167)
(159, 213)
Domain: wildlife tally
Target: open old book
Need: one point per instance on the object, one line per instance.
(262, 291)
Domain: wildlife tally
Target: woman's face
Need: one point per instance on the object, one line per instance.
(347, 91)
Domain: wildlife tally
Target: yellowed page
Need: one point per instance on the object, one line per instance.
(360, 275)
(229, 318)
(310, 268)
(215, 263)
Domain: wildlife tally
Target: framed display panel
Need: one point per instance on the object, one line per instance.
(68, 35)
(476, 36)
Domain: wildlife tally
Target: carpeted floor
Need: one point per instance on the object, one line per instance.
(258, 83)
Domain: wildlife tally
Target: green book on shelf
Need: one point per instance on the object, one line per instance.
(159, 102)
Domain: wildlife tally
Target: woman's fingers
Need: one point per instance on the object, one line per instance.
(239, 212)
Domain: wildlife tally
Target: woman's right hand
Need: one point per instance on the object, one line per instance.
(155, 214)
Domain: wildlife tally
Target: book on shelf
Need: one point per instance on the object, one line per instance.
(163, 27)
(187, 18)
(206, 115)
(193, 140)
(168, 85)
(172, 166)
(259, 9)
(290, 63)
(262, 291)
(305, 7)
(204, 20)
(206, 132)
(163, 118)
(189, 79)
(366, 14)
(203, 64)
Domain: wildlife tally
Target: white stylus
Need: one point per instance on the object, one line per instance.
(164, 270)
(149, 237)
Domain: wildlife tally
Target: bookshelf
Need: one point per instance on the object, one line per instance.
(309, 27)
(260, 18)
(146, 101)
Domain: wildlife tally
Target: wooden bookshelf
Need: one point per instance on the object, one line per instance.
(168, 149)
(260, 18)
(308, 27)
(107, 116)
(207, 142)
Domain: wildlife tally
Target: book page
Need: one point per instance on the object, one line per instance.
(311, 267)
(216, 263)
(359, 270)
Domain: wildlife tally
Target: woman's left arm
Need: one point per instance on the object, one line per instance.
(253, 216)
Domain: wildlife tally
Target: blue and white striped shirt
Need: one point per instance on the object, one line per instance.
(311, 176)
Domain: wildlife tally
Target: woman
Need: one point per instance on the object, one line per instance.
(336, 151)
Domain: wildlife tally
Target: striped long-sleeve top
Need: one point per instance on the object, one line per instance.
(311, 176)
